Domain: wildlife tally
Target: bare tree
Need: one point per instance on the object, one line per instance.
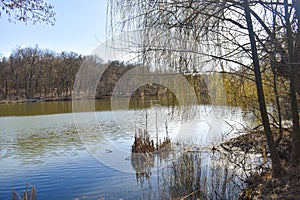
(35, 73)
(214, 35)
(293, 62)
(28, 10)
(260, 93)
(4, 78)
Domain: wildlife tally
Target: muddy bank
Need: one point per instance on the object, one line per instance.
(260, 183)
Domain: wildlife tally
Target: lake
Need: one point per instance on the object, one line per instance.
(87, 155)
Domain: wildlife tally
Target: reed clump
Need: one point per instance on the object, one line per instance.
(143, 144)
(29, 193)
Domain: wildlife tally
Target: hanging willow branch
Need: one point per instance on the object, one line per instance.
(186, 31)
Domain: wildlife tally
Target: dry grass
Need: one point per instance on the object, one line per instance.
(29, 193)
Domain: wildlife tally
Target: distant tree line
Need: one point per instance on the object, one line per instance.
(35, 73)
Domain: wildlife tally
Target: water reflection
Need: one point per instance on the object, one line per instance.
(48, 107)
(35, 147)
(193, 175)
(142, 163)
(47, 152)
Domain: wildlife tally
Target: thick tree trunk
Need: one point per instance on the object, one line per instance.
(293, 65)
(260, 93)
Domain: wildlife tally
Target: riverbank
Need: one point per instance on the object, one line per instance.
(34, 100)
(50, 99)
(261, 184)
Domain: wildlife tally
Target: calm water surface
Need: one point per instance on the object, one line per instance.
(61, 158)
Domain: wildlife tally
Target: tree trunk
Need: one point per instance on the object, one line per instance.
(292, 61)
(260, 92)
(6, 89)
(277, 101)
(17, 85)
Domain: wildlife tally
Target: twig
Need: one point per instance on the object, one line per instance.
(190, 194)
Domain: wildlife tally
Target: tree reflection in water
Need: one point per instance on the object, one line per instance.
(194, 175)
(142, 164)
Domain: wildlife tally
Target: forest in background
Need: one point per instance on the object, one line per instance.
(34, 74)
(31, 74)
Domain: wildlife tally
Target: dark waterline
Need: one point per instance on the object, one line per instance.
(45, 107)
(56, 107)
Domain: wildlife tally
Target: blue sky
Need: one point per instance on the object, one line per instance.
(79, 27)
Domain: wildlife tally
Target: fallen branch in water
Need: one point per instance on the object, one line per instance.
(190, 194)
